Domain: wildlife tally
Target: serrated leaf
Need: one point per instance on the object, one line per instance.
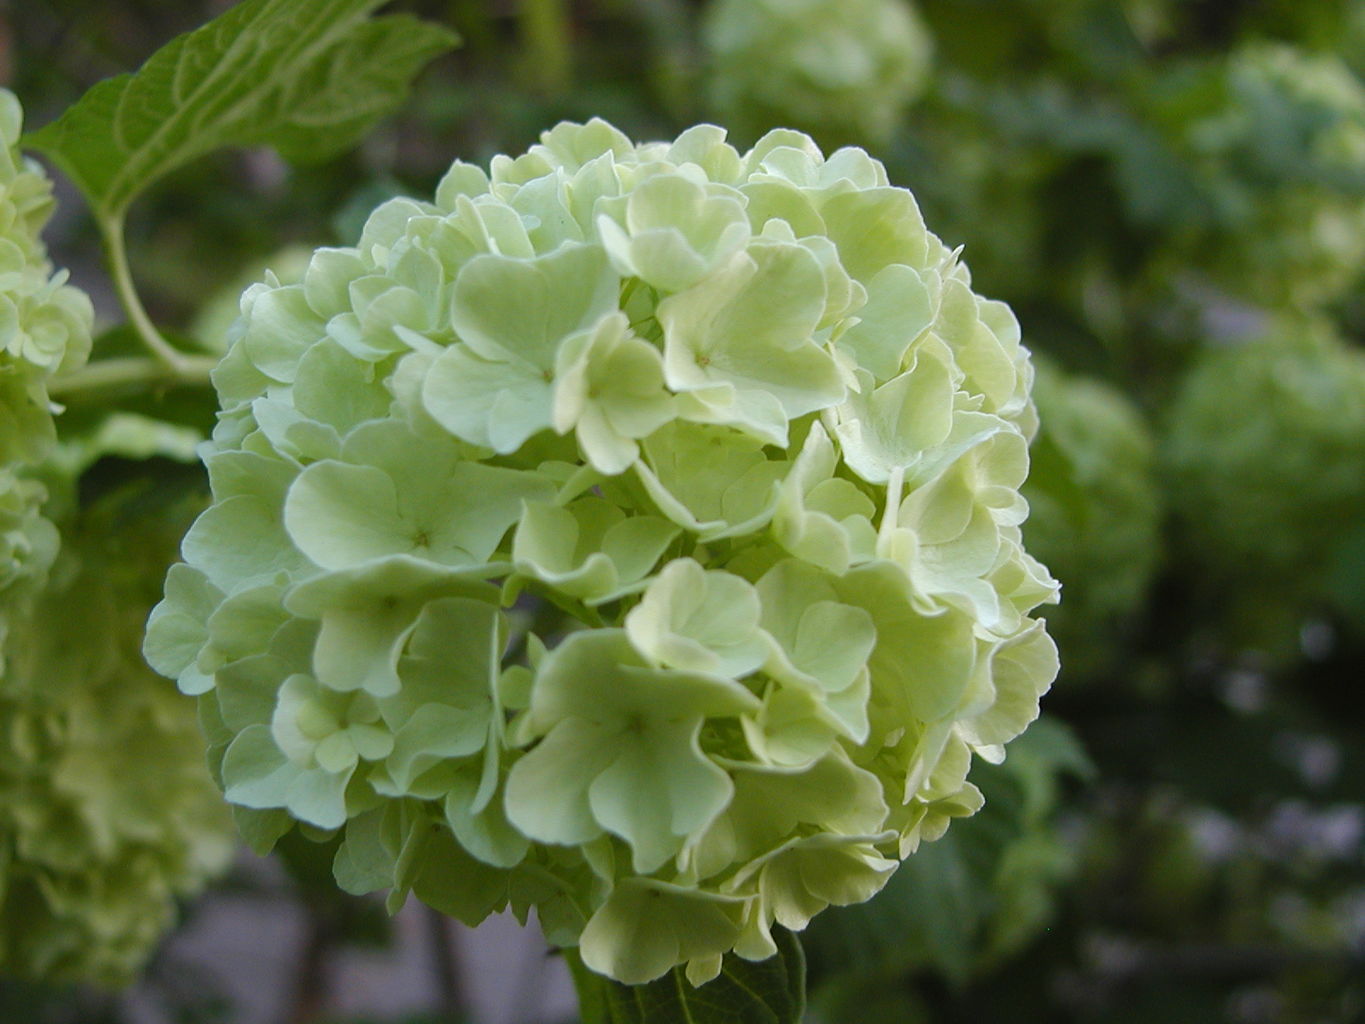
(307, 77)
(771, 991)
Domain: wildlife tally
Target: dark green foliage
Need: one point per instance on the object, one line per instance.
(966, 901)
(772, 991)
(307, 77)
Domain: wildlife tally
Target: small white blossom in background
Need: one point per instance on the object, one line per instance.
(844, 69)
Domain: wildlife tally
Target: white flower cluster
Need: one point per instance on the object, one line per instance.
(1294, 235)
(107, 814)
(1264, 443)
(44, 330)
(740, 423)
(841, 69)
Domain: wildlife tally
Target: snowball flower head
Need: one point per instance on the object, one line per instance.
(90, 867)
(631, 534)
(843, 69)
(107, 813)
(1263, 443)
(1290, 215)
(44, 322)
(44, 330)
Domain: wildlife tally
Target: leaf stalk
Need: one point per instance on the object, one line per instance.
(133, 372)
(111, 228)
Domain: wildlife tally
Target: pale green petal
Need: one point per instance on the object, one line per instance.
(1022, 669)
(821, 643)
(768, 200)
(432, 734)
(704, 145)
(892, 426)
(751, 324)
(547, 790)
(823, 520)
(598, 676)
(446, 878)
(255, 772)
(814, 873)
(875, 228)
(280, 327)
(369, 526)
(485, 832)
(659, 790)
(699, 621)
(588, 550)
(674, 231)
(213, 546)
(368, 613)
(793, 728)
(461, 179)
(924, 659)
(901, 303)
(544, 207)
(494, 403)
(647, 927)
(986, 357)
(609, 385)
(337, 390)
(710, 480)
(832, 794)
(177, 629)
(524, 308)
(292, 434)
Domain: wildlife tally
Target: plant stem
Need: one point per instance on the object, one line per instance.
(111, 227)
(133, 371)
(592, 1005)
(544, 29)
(309, 993)
(887, 530)
(448, 985)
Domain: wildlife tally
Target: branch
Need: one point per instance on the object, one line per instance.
(139, 372)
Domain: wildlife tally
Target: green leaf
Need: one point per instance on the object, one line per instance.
(771, 991)
(307, 77)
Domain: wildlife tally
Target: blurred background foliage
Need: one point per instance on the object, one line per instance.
(1171, 195)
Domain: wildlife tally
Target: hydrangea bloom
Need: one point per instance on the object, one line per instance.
(107, 814)
(90, 867)
(1289, 233)
(1094, 512)
(733, 432)
(1264, 442)
(44, 330)
(28, 542)
(44, 323)
(842, 69)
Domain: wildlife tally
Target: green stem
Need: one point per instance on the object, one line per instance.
(448, 983)
(545, 45)
(891, 512)
(592, 1004)
(136, 372)
(111, 227)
